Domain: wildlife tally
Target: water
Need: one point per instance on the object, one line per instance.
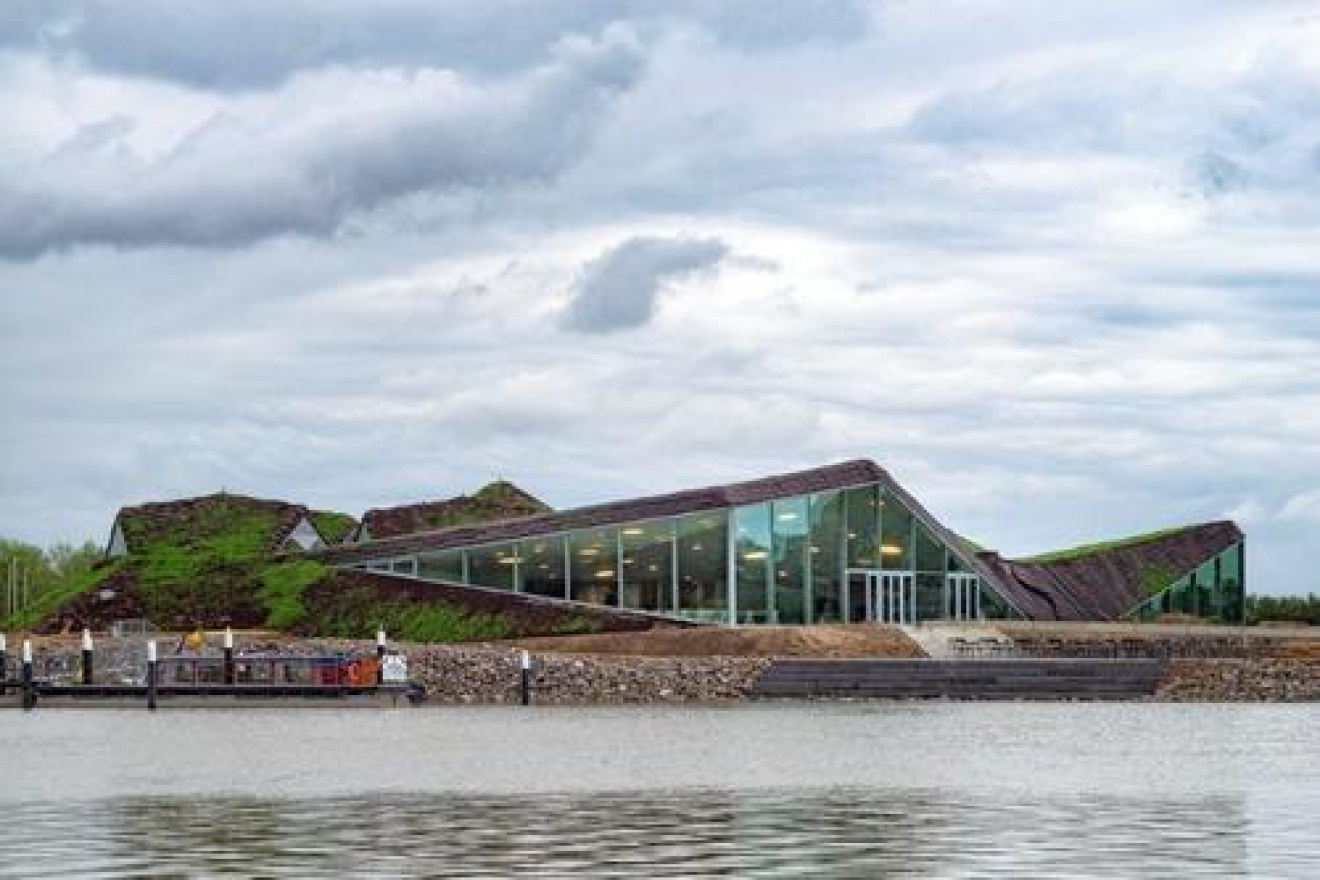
(840, 790)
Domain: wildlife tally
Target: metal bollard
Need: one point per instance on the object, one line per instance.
(380, 656)
(87, 656)
(229, 656)
(151, 675)
(29, 690)
(526, 678)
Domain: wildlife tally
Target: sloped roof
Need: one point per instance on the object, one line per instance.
(851, 473)
(499, 500)
(1106, 581)
(186, 521)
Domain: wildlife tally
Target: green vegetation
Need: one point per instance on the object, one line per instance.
(356, 612)
(335, 527)
(1081, 552)
(52, 576)
(1297, 609)
(283, 586)
(1155, 579)
(494, 501)
(578, 625)
(47, 603)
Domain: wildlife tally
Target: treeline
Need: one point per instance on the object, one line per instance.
(28, 572)
(1298, 609)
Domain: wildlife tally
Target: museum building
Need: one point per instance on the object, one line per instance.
(843, 543)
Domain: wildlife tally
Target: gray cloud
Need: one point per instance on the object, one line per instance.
(235, 180)
(618, 289)
(246, 44)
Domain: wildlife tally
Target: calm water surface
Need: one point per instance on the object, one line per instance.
(941, 789)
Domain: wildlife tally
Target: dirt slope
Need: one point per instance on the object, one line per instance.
(861, 640)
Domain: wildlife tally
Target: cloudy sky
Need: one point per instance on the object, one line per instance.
(1056, 265)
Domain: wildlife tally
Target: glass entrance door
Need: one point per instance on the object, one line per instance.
(894, 597)
(882, 596)
(964, 597)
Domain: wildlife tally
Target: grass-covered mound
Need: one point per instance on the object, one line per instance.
(220, 560)
(209, 560)
(494, 501)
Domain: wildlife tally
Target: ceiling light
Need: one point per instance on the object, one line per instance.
(605, 573)
(891, 550)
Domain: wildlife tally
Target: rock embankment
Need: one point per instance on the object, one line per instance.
(491, 675)
(1237, 680)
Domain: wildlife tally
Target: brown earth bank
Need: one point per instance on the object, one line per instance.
(857, 640)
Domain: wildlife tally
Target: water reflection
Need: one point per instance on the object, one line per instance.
(712, 833)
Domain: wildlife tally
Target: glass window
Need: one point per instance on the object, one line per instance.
(827, 558)
(791, 550)
(594, 576)
(930, 596)
(541, 570)
(930, 552)
(752, 550)
(1231, 585)
(863, 506)
(994, 606)
(703, 566)
(1207, 589)
(896, 536)
(404, 566)
(648, 565)
(446, 565)
(492, 566)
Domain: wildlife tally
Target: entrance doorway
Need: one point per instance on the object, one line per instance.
(964, 597)
(881, 596)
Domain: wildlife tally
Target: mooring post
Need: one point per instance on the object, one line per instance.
(87, 656)
(380, 655)
(29, 691)
(229, 656)
(151, 675)
(4, 664)
(526, 678)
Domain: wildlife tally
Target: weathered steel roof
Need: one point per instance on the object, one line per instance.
(1107, 583)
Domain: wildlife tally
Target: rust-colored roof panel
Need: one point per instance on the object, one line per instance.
(1108, 583)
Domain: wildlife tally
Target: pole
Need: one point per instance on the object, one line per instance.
(87, 656)
(4, 664)
(151, 675)
(229, 656)
(29, 693)
(526, 678)
(380, 655)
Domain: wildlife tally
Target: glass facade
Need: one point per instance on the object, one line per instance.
(831, 557)
(703, 566)
(541, 568)
(594, 570)
(1215, 590)
(648, 566)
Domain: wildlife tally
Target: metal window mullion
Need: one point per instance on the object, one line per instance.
(731, 563)
(618, 566)
(673, 569)
(568, 567)
(808, 588)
